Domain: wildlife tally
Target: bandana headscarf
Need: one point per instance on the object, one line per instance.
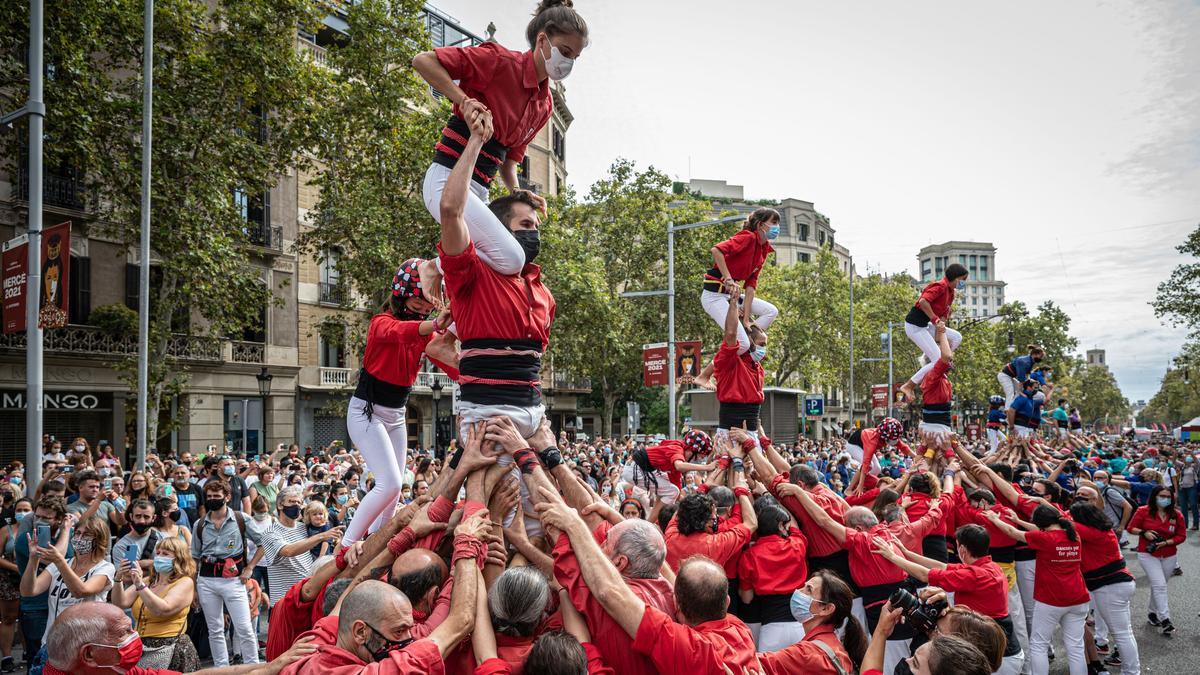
(407, 284)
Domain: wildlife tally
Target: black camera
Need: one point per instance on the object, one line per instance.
(922, 616)
(1151, 547)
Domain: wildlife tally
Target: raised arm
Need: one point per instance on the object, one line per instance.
(1004, 527)
(912, 567)
(732, 321)
(814, 510)
(455, 237)
(469, 551)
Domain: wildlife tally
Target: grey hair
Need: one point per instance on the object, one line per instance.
(722, 497)
(518, 601)
(642, 543)
(803, 474)
(292, 491)
(71, 632)
(860, 517)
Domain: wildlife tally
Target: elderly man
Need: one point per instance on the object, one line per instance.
(96, 638)
(708, 640)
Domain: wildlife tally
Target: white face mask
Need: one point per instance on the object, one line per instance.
(558, 67)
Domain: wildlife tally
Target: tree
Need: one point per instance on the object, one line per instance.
(377, 125)
(1178, 298)
(612, 242)
(809, 342)
(1096, 394)
(233, 104)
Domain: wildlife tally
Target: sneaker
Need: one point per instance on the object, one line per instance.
(1113, 659)
(1177, 572)
(7, 665)
(1103, 650)
(1168, 628)
(1152, 619)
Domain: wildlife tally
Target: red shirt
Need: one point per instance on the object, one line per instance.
(868, 568)
(704, 649)
(507, 83)
(965, 514)
(939, 295)
(1171, 532)
(744, 256)
(488, 304)
(498, 666)
(292, 617)
(1100, 547)
(394, 349)
(774, 565)
(421, 656)
(663, 457)
(1057, 579)
(936, 387)
(981, 586)
(739, 377)
(806, 657)
(511, 650)
(919, 506)
(912, 533)
(719, 547)
(871, 443)
(820, 542)
(612, 640)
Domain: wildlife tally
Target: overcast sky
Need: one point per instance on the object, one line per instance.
(1066, 132)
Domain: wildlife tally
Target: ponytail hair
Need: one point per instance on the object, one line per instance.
(1045, 516)
(837, 593)
(759, 216)
(556, 17)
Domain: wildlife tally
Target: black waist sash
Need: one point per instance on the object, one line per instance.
(501, 379)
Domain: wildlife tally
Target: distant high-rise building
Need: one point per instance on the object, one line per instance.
(984, 294)
(1095, 357)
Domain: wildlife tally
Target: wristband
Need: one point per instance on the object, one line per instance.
(702, 488)
(454, 460)
(526, 459)
(466, 546)
(723, 461)
(738, 465)
(140, 587)
(763, 441)
(550, 457)
(749, 444)
(403, 541)
(741, 491)
(339, 560)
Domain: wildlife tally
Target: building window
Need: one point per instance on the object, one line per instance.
(962, 260)
(525, 166)
(330, 285)
(804, 257)
(180, 318)
(983, 268)
(821, 237)
(801, 230)
(80, 290)
(830, 240)
(939, 266)
(973, 266)
(333, 353)
(925, 270)
(974, 301)
(559, 144)
(255, 209)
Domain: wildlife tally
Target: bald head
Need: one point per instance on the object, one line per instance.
(373, 603)
(860, 518)
(701, 590)
(84, 624)
(637, 548)
(419, 574)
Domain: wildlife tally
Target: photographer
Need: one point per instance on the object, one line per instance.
(1160, 528)
(943, 655)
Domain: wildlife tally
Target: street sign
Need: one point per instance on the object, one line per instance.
(654, 366)
(814, 405)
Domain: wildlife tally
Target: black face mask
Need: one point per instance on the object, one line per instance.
(214, 504)
(140, 528)
(902, 668)
(388, 645)
(531, 243)
(174, 515)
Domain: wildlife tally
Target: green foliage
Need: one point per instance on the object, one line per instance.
(1178, 298)
(799, 349)
(115, 319)
(1178, 397)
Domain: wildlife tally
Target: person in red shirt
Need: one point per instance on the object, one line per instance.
(707, 641)
(740, 376)
(933, 306)
(936, 390)
(567, 652)
(739, 259)
(396, 341)
(768, 571)
(864, 444)
(1106, 576)
(822, 606)
(1060, 596)
(514, 89)
(1160, 529)
(694, 531)
(660, 468)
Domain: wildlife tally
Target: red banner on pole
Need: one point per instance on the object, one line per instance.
(879, 396)
(687, 360)
(56, 271)
(13, 266)
(654, 365)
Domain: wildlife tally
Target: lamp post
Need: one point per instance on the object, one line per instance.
(264, 378)
(435, 389)
(548, 397)
(672, 228)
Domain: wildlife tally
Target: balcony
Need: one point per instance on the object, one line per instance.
(92, 341)
(64, 190)
(425, 380)
(317, 53)
(247, 352)
(332, 293)
(566, 382)
(265, 236)
(334, 377)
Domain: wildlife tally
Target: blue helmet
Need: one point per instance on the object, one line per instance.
(996, 400)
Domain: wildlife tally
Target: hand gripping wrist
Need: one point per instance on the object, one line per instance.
(550, 457)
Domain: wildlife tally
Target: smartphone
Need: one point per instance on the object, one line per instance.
(108, 484)
(68, 469)
(132, 554)
(43, 536)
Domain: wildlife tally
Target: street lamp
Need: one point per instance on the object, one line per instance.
(672, 228)
(436, 391)
(548, 397)
(264, 382)
(264, 378)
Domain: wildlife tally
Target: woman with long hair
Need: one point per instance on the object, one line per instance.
(141, 485)
(10, 581)
(1160, 529)
(737, 262)
(166, 520)
(160, 605)
(375, 418)
(1060, 595)
(822, 606)
(1107, 578)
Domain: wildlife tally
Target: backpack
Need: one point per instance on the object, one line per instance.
(241, 521)
(1128, 499)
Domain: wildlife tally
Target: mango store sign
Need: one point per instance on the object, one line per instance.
(52, 400)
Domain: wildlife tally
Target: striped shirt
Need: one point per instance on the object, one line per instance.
(282, 571)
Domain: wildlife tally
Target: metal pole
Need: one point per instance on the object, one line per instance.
(33, 287)
(433, 449)
(144, 246)
(245, 424)
(671, 430)
(891, 397)
(850, 394)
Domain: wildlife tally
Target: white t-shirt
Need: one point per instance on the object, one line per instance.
(60, 596)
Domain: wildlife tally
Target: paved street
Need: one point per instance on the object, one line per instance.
(1177, 654)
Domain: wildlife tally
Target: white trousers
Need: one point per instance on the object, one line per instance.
(1025, 574)
(1113, 606)
(1158, 570)
(779, 635)
(1016, 614)
(1009, 386)
(494, 244)
(527, 421)
(994, 436)
(894, 652)
(857, 453)
(923, 338)
(216, 597)
(663, 487)
(1011, 665)
(717, 307)
(383, 442)
(1046, 619)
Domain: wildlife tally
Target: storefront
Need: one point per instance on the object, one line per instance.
(67, 414)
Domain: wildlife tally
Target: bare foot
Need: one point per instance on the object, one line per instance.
(906, 392)
(443, 348)
(431, 283)
(705, 382)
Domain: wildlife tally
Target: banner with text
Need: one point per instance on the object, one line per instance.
(13, 266)
(654, 364)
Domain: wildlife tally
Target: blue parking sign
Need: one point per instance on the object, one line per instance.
(814, 405)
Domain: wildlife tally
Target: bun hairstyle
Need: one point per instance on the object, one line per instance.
(759, 216)
(1045, 516)
(556, 17)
